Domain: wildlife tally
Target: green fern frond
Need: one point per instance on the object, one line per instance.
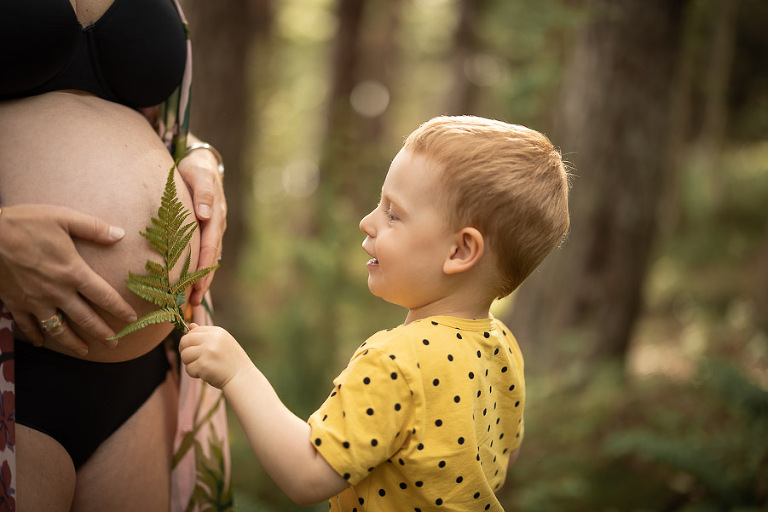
(157, 296)
(167, 235)
(190, 279)
(157, 316)
(155, 281)
(178, 246)
(156, 270)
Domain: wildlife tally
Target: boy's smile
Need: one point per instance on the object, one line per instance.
(407, 235)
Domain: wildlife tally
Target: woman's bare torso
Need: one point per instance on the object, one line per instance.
(103, 159)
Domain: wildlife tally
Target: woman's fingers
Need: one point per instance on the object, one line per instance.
(203, 178)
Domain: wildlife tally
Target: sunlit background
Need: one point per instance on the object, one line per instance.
(645, 335)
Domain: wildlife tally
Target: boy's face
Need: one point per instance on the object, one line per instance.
(407, 235)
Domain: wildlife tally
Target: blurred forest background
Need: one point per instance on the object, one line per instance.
(645, 335)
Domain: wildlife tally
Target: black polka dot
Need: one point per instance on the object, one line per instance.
(393, 375)
(366, 380)
(439, 501)
(512, 387)
(418, 483)
(458, 335)
(361, 500)
(426, 342)
(436, 382)
(397, 407)
(479, 393)
(471, 375)
(459, 479)
(434, 323)
(369, 411)
(374, 442)
(333, 394)
(318, 441)
(450, 357)
(346, 444)
(517, 404)
(403, 485)
(476, 495)
(461, 440)
(504, 370)
(325, 417)
(457, 399)
(346, 476)
(441, 464)
(420, 447)
(401, 462)
(487, 334)
(391, 356)
(496, 352)
(382, 492)
(479, 355)
(501, 436)
(438, 423)
(487, 506)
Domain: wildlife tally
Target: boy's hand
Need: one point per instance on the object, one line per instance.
(212, 354)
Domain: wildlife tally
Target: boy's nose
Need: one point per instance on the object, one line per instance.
(366, 224)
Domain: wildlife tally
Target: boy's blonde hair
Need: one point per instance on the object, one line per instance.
(505, 180)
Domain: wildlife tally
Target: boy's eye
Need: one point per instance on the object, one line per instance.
(391, 215)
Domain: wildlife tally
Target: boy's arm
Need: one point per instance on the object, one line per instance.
(279, 438)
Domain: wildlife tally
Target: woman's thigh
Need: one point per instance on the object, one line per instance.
(131, 470)
(45, 473)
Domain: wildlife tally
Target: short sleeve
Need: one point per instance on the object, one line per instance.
(367, 417)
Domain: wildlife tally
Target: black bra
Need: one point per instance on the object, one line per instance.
(134, 54)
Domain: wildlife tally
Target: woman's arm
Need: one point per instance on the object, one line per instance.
(41, 272)
(279, 438)
(200, 171)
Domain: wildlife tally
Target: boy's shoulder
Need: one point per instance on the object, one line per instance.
(426, 331)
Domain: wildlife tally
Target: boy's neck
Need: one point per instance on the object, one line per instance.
(457, 311)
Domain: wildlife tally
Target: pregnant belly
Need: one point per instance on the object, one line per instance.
(102, 159)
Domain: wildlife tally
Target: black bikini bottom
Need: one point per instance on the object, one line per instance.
(81, 403)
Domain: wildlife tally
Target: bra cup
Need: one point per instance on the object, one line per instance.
(141, 56)
(38, 38)
(134, 54)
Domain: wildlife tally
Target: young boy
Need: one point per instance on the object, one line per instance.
(428, 415)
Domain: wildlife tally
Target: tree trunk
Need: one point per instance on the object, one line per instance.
(461, 97)
(223, 37)
(612, 126)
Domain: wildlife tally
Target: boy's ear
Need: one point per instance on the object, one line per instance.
(466, 251)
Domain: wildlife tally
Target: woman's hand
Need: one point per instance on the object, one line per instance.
(200, 171)
(41, 273)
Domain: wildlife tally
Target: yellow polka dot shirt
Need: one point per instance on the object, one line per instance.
(424, 417)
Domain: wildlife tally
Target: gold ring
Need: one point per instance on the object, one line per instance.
(52, 323)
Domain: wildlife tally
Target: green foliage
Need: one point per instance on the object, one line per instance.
(168, 236)
(211, 493)
(723, 453)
